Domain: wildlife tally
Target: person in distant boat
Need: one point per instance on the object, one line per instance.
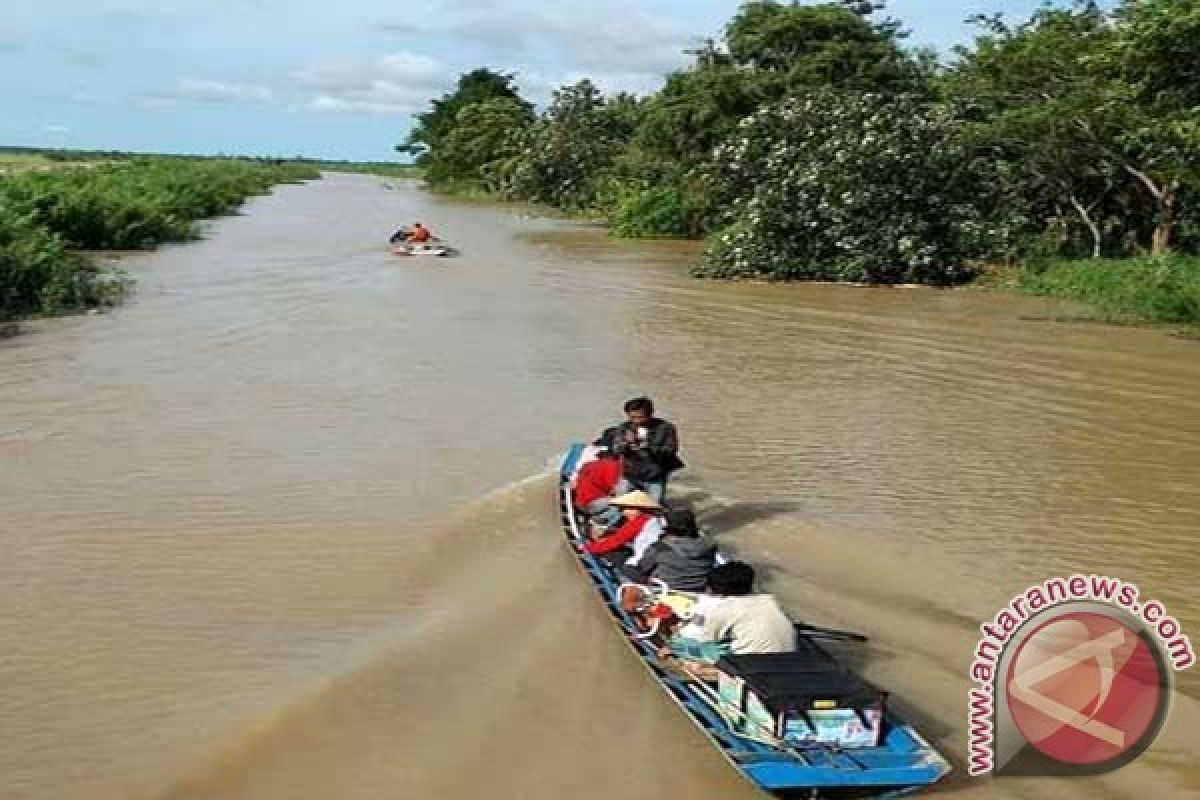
(682, 557)
(735, 621)
(648, 447)
(640, 527)
(400, 236)
(594, 486)
(419, 234)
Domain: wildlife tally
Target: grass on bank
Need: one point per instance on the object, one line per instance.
(18, 161)
(1155, 290)
(45, 216)
(382, 169)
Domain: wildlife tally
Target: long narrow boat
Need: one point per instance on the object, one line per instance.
(901, 764)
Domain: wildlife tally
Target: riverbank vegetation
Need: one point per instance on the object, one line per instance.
(809, 142)
(47, 215)
(384, 169)
(1165, 289)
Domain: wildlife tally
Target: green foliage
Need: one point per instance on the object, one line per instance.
(1158, 52)
(126, 206)
(38, 275)
(696, 110)
(480, 148)
(1098, 114)
(660, 211)
(1038, 101)
(865, 188)
(1155, 64)
(1142, 289)
(428, 137)
(820, 147)
(567, 154)
(386, 169)
(814, 46)
(140, 204)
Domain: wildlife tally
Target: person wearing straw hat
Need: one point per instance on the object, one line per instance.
(640, 528)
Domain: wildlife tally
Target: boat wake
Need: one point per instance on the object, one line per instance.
(500, 675)
(502, 678)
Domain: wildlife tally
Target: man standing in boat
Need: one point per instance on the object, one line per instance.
(648, 447)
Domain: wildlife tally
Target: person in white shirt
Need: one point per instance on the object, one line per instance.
(735, 621)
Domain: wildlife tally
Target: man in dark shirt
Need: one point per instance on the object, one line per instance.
(648, 447)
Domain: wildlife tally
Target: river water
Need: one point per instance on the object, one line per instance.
(281, 526)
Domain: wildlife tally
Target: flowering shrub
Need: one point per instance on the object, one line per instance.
(850, 187)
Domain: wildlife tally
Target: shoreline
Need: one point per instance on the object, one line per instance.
(1105, 308)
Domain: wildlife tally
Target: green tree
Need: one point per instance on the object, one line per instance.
(852, 187)
(480, 148)
(1040, 103)
(1097, 114)
(433, 126)
(1156, 59)
(696, 110)
(827, 45)
(569, 152)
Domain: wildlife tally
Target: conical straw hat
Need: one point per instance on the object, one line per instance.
(638, 499)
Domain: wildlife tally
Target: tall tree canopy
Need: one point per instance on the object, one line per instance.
(434, 125)
(569, 151)
(1039, 101)
(1156, 60)
(827, 45)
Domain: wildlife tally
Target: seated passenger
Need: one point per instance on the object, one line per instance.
(735, 621)
(419, 234)
(640, 527)
(594, 485)
(682, 558)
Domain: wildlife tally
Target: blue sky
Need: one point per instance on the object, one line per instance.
(334, 78)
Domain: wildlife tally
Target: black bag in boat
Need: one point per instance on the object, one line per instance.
(803, 697)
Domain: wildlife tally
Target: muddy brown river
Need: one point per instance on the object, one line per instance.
(281, 527)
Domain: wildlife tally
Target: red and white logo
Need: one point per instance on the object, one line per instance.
(1074, 672)
(1085, 688)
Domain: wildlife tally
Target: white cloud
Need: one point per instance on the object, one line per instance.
(370, 103)
(406, 69)
(56, 129)
(617, 38)
(217, 92)
(396, 83)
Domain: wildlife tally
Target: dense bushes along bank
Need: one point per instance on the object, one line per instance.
(809, 142)
(44, 216)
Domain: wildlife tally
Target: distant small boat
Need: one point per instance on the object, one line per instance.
(420, 250)
(806, 696)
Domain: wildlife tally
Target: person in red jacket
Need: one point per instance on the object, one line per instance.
(594, 485)
(641, 527)
(419, 234)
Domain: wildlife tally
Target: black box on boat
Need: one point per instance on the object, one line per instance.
(803, 697)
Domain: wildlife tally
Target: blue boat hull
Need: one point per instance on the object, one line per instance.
(904, 763)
